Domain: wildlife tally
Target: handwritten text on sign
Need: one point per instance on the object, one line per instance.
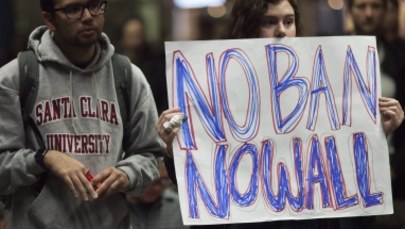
(278, 129)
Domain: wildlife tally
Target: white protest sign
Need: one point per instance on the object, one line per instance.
(278, 129)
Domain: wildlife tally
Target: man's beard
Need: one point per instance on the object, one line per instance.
(87, 42)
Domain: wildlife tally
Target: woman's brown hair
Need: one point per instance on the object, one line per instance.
(246, 17)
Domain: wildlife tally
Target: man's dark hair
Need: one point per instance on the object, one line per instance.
(46, 5)
(351, 2)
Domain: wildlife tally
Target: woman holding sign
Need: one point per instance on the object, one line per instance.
(264, 19)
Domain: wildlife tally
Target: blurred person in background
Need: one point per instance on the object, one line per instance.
(380, 18)
(158, 207)
(149, 58)
(391, 22)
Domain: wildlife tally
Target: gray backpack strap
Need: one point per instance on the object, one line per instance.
(29, 83)
(123, 81)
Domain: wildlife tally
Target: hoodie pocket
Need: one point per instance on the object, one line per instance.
(41, 212)
(55, 207)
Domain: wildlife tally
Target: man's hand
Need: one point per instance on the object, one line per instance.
(72, 172)
(110, 181)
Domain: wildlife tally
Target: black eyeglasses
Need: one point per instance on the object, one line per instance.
(75, 11)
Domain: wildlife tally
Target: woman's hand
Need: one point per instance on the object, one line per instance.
(392, 114)
(168, 135)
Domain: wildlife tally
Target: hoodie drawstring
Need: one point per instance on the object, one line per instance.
(97, 105)
(72, 98)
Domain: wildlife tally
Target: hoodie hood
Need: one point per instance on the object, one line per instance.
(46, 50)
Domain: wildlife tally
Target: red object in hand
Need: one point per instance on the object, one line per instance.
(89, 176)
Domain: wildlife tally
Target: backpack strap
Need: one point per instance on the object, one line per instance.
(123, 81)
(29, 83)
(29, 78)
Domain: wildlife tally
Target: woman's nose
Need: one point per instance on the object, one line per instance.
(280, 31)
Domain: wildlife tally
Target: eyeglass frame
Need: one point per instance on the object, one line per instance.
(84, 6)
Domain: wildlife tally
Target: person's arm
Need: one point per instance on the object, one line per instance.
(169, 163)
(17, 164)
(168, 138)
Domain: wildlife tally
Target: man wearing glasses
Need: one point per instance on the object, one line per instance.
(77, 180)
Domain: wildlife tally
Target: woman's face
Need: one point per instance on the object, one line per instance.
(278, 21)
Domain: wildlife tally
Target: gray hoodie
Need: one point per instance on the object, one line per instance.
(76, 112)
